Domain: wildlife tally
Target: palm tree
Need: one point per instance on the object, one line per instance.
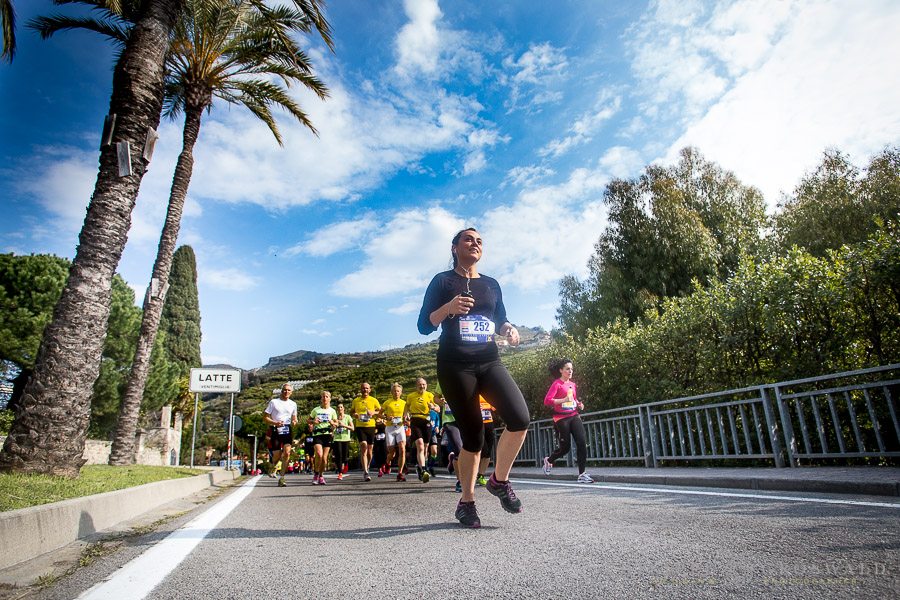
(48, 433)
(234, 50)
(8, 19)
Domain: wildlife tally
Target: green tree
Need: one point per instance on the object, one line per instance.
(232, 50)
(180, 321)
(836, 204)
(29, 288)
(792, 316)
(68, 361)
(670, 228)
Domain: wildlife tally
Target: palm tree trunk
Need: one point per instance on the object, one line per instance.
(48, 433)
(123, 443)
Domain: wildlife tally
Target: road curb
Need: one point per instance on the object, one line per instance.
(879, 487)
(27, 533)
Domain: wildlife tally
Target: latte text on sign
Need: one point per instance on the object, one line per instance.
(215, 380)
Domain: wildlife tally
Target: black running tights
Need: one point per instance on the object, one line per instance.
(462, 383)
(570, 426)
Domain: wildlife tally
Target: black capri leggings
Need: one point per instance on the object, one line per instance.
(341, 453)
(570, 426)
(461, 384)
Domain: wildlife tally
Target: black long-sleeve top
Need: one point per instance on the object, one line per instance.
(488, 303)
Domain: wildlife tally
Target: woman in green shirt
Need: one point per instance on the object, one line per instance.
(342, 441)
(323, 420)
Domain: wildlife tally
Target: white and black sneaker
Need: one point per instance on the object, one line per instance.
(585, 478)
(547, 466)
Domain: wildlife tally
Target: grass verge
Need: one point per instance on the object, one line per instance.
(21, 491)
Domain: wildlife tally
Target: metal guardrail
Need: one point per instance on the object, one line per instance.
(838, 416)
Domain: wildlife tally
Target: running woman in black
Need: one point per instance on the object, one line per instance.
(469, 308)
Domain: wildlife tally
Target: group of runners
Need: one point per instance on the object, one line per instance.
(469, 309)
(383, 431)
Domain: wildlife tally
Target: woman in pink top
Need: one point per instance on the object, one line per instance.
(562, 398)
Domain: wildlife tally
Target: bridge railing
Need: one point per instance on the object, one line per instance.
(838, 416)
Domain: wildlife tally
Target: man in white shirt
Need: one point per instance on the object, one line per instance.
(281, 414)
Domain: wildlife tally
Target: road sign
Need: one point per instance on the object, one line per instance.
(238, 423)
(215, 380)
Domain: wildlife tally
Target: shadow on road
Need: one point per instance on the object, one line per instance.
(365, 533)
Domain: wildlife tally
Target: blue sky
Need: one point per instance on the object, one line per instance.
(511, 116)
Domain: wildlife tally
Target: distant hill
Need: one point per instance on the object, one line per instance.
(530, 338)
(300, 357)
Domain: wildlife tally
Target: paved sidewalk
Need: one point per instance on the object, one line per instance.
(876, 481)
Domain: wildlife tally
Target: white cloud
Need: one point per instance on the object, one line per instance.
(477, 141)
(547, 232)
(526, 176)
(584, 128)
(418, 43)
(622, 162)
(410, 305)
(365, 137)
(408, 250)
(825, 82)
(316, 332)
(233, 280)
(686, 54)
(538, 62)
(334, 238)
(537, 68)
(61, 180)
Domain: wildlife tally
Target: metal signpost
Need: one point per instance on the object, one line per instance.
(214, 380)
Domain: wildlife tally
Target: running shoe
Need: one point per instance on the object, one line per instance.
(458, 486)
(450, 462)
(419, 472)
(426, 476)
(504, 491)
(340, 476)
(481, 480)
(281, 482)
(401, 477)
(380, 471)
(467, 515)
(585, 478)
(321, 480)
(366, 477)
(315, 480)
(346, 468)
(547, 466)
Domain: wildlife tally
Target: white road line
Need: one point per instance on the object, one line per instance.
(139, 577)
(600, 486)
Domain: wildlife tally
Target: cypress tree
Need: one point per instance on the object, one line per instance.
(180, 320)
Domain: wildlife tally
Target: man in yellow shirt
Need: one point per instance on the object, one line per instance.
(364, 409)
(395, 417)
(418, 405)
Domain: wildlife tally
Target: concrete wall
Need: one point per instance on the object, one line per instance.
(30, 532)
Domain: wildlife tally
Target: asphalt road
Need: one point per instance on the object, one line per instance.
(388, 540)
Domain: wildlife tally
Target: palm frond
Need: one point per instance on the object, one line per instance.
(313, 11)
(233, 50)
(263, 113)
(8, 16)
(257, 92)
(115, 29)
